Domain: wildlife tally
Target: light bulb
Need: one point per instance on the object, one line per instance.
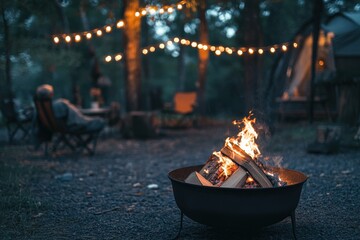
(108, 58)
(56, 40)
(118, 57)
(120, 24)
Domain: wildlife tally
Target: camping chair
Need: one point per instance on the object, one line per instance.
(16, 121)
(182, 112)
(74, 140)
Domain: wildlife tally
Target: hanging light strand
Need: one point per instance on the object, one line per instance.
(98, 32)
(217, 50)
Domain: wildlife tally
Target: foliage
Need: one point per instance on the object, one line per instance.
(35, 59)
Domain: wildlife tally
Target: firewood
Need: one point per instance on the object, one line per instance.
(244, 160)
(213, 169)
(197, 179)
(236, 180)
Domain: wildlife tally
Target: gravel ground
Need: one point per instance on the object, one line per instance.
(107, 196)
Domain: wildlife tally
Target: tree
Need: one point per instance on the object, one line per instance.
(132, 55)
(6, 87)
(252, 62)
(203, 57)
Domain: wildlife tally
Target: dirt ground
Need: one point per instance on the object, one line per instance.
(123, 192)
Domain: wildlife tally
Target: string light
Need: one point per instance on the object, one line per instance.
(217, 50)
(149, 10)
(56, 40)
(77, 38)
(108, 29)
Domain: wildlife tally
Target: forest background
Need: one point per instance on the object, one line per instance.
(29, 57)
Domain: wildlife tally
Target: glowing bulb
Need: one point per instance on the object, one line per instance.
(161, 11)
(99, 33)
(152, 49)
(170, 10)
(152, 11)
(194, 44)
(118, 57)
(229, 50)
(145, 51)
(260, 51)
(143, 12)
(200, 46)
(183, 41)
(56, 40)
(251, 51)
(176, 39)
(77, 38)
(218, 52)
(205, 47)
(108, 29)
(108, 58)
(295, 45)
(221, 48)
(68, 38)
(272, 49)
(88, 35)
(179, 6)
(284, 48)
(137, 14)
(120, 24)
(169, 42)
(161, 45)
(239, 52)
(212, 48)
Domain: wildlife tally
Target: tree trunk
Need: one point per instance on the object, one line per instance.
(132, 55)
(181, 59)
(6, 86)
(252, 63)
(203, 58)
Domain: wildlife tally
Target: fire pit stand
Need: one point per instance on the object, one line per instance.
(236, 207)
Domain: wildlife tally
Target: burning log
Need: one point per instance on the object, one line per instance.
(235, 153)
(218, 168)
(236, 180)
(197, 179)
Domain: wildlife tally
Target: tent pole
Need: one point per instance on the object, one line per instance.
(317, 12)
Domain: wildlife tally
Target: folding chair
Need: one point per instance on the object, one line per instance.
(183, 111)
(15, 121)
(75, 140)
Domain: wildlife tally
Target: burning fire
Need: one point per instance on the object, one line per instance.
(226, 164)
(236, 164)
(246, 137)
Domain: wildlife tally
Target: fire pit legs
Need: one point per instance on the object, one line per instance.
(180, 228)
(293, 223)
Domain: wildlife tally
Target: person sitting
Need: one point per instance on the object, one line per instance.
(63, 109)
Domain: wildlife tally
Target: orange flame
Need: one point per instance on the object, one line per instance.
(246, 137)
(227, 165)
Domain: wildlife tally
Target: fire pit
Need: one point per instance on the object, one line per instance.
(237, 207)
(235, 189)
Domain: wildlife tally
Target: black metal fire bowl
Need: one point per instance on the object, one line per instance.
(236, 207)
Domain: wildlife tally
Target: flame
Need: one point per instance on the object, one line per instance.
(226, 164)
(246, 137)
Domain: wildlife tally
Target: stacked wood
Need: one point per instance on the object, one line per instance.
(239, 156)
(230, 168)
